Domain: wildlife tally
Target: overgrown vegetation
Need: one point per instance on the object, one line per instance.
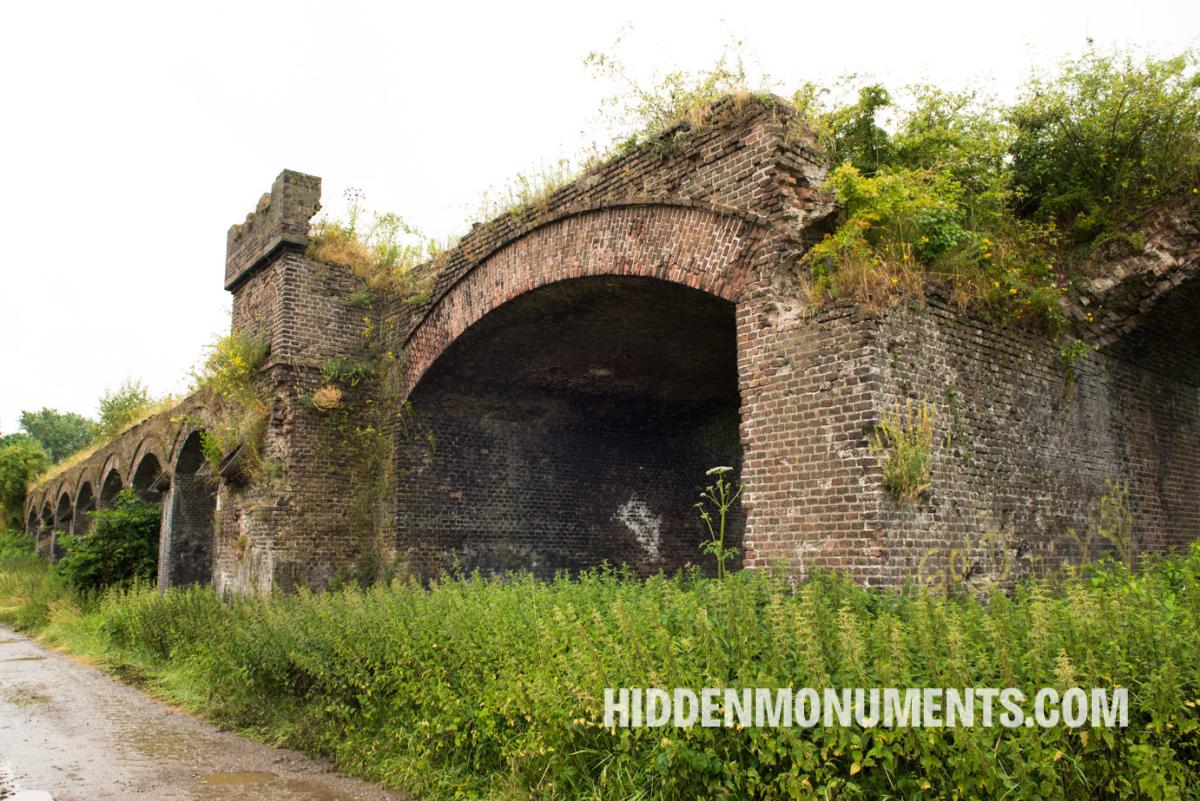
(1108, 138)
(121, 547)
(22, 459)
(381, 248)
(478, 688)
(122, 407)
(60, 433)
(237, 399)
(997, 201)
(120, 410)
(903, 442)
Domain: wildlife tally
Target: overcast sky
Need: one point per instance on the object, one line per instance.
(132, 136)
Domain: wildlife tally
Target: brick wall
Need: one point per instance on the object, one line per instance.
(577, 366)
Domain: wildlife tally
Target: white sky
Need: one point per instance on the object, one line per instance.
(133, 135)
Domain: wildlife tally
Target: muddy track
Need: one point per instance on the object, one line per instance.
(79, 735)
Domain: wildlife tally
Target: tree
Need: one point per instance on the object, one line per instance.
(60, 433)
(121, 407)
(22, 458)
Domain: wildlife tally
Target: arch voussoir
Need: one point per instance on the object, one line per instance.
(700, 247)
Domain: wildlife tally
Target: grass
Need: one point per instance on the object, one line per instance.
(476, 688)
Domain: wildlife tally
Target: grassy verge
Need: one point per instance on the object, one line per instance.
(493, 689)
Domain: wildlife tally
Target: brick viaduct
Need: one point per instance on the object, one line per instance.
(575, 369)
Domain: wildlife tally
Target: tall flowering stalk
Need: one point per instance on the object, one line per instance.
(720, 497)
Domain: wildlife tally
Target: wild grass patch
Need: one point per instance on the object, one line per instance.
(476, 687)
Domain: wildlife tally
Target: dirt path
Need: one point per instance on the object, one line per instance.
(79, 735)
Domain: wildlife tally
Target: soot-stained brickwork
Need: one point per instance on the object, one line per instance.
(554, 400)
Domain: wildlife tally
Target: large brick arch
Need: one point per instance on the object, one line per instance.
(701, 246)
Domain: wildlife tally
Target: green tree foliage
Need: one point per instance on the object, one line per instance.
(122, 545)
(60, 433)
(1104, 140)
(22, 459)
(123, 406)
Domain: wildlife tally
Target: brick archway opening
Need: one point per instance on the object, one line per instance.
(45, 540)
(110, 488)
(145, 478)
(85, 504)
(571, 426)
(1167, 337)
(187, 543)
(62, 524)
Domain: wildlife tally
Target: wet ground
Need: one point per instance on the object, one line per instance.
(72, 732)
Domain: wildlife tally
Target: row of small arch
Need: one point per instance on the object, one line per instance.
(65, 508)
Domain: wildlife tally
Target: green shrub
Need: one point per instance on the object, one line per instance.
(1105, 139)
(236, 397)
(121, 547)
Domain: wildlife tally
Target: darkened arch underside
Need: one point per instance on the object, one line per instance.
(571, 426)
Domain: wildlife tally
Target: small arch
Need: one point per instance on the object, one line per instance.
(63, 514)
(32, 523)
(85, 504)
(145, 478)
(109, 488)
(46, 529)
(188, 543)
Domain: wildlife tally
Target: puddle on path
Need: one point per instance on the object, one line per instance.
(22, 696)
(239, 777)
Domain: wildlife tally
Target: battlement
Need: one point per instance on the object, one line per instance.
(281, 220)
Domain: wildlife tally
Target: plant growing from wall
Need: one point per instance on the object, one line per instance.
(716, 501)
(382, 250)
(237, 398)
(903, 442)
(1071, 351)
(340, 370)
(999, 202)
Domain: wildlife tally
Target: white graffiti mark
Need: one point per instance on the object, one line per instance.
(646, 526)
